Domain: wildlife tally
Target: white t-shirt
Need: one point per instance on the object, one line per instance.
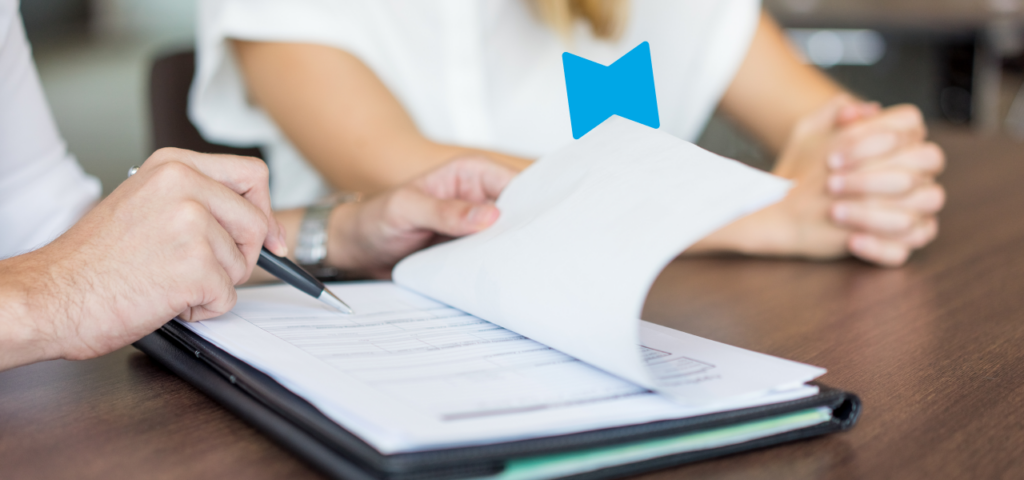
(43, 190)
(479, 73)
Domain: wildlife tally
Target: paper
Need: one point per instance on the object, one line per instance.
(407, 373)
(582, 235)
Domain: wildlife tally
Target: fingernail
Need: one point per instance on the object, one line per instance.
(482, 215)
(840, 212)
(836, 183)
(477, 214)
(835, 161)
(282, 240)
(860, 243)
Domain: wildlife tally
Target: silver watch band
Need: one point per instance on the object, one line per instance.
(311, 250)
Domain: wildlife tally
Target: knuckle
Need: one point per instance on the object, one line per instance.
(910, 114)
(163, 154)
(190, 216)
(395, 202)
(904, 222)
(898, 257)
(938, 155)
(932, 230)
(258, 228)
(252, 227)
(225, 298)
(172, 174)
(907, 181)
(940, 196)
(258, 169)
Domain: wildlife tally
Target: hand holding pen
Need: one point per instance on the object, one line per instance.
(284, 269)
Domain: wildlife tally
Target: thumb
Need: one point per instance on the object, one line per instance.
(857, 110)
(451, 217)
(831, 114)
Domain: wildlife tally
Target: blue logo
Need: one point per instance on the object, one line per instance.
(624, 88)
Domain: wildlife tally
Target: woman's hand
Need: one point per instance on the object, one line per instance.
(454, 200)
(882, 177)
(864, 185)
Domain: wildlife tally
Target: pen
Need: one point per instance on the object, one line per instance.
(293, 275)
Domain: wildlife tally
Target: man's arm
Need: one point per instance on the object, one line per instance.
(173, 240)
(176, 238)
(358, 137)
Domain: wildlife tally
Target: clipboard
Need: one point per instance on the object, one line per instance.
(299, 427)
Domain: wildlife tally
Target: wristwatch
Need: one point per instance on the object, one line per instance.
(311, 251)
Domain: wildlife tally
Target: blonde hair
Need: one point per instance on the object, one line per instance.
(607, 18)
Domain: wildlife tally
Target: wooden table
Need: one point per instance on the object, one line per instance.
(935, 349)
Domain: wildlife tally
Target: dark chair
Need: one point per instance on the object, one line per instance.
(169, 81)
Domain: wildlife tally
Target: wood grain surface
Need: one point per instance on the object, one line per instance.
(935, 349)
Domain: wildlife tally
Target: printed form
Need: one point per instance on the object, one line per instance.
(408, 373)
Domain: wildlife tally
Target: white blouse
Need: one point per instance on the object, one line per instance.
(479, 73)
(43, 190)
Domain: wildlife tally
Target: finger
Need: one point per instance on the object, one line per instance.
(825, 119)
(926, 158)
(891, 174)
(926, 199)
(450, 217)
(246, 176)
(217, 297)
(873, 218)
(858, 111)
(242, 221)
(226, 252)
(474, 179)
(246, 224)
(922, 234)
(879, 182)
(491, 177)
(884, 252)
(893, 128)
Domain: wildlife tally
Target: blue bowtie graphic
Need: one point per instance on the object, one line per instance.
(624, 88)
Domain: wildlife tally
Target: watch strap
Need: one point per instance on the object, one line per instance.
(311, 248)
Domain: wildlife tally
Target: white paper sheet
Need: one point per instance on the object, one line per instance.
(407, 373)
(582, 236)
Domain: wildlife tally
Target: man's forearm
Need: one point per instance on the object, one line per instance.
(23, 326)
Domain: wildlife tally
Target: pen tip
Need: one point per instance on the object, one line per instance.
(331, 299)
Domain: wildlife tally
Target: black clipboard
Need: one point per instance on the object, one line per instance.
(299, 427)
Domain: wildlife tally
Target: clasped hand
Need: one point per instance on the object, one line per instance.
(865, 182)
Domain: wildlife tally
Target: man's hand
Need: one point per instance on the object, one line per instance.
(454, 200)
(173, 240)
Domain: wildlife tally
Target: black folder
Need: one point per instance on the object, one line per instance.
(299, 427)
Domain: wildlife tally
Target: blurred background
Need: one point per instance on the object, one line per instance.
(960, 61)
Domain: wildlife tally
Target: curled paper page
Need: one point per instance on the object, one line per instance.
(583, 234)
